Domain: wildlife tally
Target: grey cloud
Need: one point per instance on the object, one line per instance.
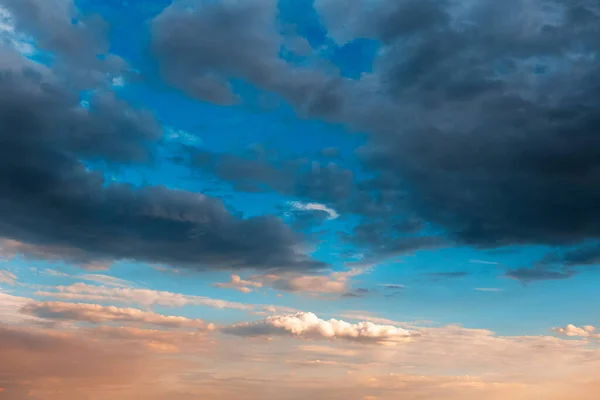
(79, 41)
(483, 115)
(51, 200)
(496, 141)
(256, 170)
(202, 46)
(526, 275)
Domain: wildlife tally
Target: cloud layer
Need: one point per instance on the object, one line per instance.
(96, 314)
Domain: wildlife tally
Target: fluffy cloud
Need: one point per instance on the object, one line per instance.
(308, 325)
(96, 314)
(575, 331)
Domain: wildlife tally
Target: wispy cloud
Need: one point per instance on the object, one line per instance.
(7, 277)
(97, 314)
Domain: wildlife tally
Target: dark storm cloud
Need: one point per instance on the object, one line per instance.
(503, 146)
(483, 115)
(50, 200)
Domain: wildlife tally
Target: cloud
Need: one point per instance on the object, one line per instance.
(315, 207)
(105, 280)
(7, 277)
(538, 273)
(79, 40)
(392, 286)
(97, 314)
(237, 283)
(308, 325)
(245, 45)
(476, 115)
(147, 298)
(333, 283)
(575, 331)
(47, 364)
(49, 142)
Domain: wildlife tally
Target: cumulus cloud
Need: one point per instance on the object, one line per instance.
(97, 314)
(571, 330)
(308, 325)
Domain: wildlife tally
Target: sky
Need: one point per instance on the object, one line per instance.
(290, 199)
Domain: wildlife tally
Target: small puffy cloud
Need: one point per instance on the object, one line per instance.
(7, 277)
(309, 326)
(97, 314)
(575, 331)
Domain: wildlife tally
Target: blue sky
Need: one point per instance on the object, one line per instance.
(417, 164)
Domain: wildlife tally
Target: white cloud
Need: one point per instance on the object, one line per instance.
(575, 331)
(308, 325)
(183, 137)
(96, 314)
(118, 82)
(315, 207)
